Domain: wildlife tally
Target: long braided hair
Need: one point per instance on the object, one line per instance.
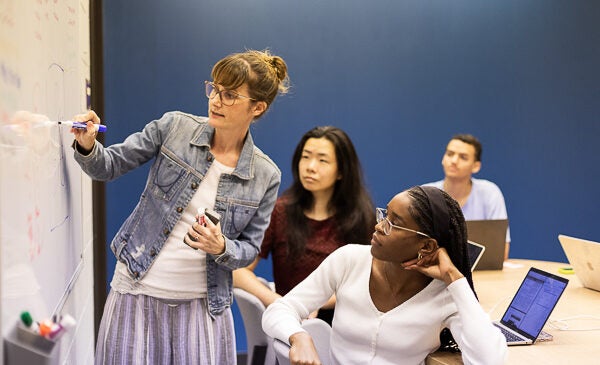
(421, 210)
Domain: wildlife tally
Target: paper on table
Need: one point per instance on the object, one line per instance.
(511, 265)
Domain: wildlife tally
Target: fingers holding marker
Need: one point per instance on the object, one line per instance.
(205, 234)
(192, 236)
(90, 115)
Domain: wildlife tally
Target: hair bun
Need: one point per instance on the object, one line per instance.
(279, 67)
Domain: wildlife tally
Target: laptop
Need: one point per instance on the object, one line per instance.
(492, 234)
(531, 307)
(475, 251)
(584, 256)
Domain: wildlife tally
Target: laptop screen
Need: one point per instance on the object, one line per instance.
(475, 251)
(491, 234)
(536, 298)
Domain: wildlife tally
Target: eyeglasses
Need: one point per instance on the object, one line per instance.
(228, 97)
(387, 225)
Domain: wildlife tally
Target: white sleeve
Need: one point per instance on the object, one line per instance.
(283, 317)
(479, 340)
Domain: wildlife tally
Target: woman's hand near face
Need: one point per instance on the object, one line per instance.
(437, 265)
(302, 350)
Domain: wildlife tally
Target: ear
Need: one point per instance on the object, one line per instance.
(258, 108)
(429, 245)
(476, 167)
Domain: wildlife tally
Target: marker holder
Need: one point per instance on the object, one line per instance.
(24, 346)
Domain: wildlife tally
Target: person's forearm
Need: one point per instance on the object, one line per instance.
(246, 279)
(452, 275)
(281, 320)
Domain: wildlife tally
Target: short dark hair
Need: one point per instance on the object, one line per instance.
(473, 141)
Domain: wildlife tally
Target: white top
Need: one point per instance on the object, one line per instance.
(361, 334)
(179, 271)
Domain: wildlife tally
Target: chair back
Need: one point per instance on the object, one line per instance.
(319, 330)
(260, 350)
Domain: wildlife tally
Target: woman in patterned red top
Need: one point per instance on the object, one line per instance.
(326, 207)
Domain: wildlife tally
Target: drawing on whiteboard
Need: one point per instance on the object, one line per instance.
(42, 186)
(45, 198)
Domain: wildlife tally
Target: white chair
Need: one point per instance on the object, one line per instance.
(321, 334)
(260, 346)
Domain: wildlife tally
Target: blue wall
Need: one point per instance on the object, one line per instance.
(400, 77)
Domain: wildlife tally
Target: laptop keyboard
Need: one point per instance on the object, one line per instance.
(510, 337)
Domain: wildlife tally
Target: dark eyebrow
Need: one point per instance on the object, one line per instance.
(318, 154)
(393, 217)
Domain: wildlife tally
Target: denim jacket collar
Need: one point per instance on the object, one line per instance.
(245, 168)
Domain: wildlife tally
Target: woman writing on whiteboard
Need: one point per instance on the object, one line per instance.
(170, 301)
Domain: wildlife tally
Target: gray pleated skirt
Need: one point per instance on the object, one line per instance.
(141, 330)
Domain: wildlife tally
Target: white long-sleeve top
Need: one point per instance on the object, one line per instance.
(361, 334)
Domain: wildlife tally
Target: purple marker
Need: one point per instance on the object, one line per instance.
(82, 125)
(58, 329)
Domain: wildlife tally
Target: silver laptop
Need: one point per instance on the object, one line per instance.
(475, 251)
(492, 234)
(584, 256)
(531, 307)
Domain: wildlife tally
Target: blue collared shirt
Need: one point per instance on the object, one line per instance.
(484, 202)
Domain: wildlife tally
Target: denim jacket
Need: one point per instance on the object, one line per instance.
(179, 143)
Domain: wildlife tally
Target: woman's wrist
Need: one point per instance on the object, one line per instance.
(299, 336)
(452, 275)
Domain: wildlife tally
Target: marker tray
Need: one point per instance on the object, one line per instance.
(24, 346)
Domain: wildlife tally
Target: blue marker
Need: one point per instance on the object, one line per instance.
(81, 125)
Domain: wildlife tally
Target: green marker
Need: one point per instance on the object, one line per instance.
(28, 320)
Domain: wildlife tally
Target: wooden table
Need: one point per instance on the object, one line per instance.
(495, 289)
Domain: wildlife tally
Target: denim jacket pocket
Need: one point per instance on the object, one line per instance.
(239, 214)
(167, 177)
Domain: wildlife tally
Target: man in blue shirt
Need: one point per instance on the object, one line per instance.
(479, 199)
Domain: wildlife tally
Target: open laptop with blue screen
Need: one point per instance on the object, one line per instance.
(531, 307)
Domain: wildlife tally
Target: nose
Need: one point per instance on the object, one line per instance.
(311, 165)
(216, 100)
(379, 227)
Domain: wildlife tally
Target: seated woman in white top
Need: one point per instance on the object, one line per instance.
(395, 297)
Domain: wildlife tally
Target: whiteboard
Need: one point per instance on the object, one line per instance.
(44, 73)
